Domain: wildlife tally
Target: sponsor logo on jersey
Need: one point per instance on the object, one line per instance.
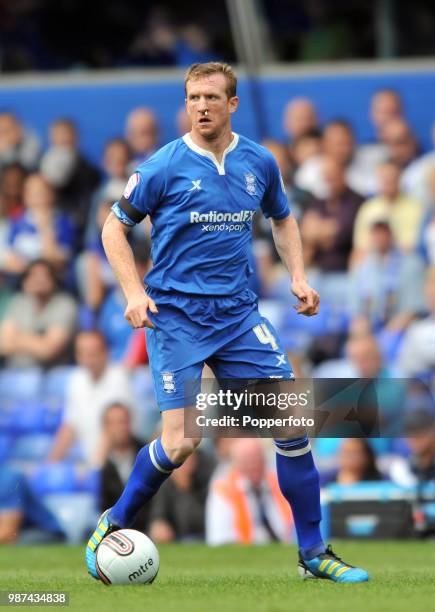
(214, 221)
(251, 183)
(218, 217)
(132, 183)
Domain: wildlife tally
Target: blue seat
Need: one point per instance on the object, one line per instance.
(60, 477)
(5, 446)
(55, 383)
(90, 483)
(20, 384)
(76, 513)
(27, 417)
(6, 415)
(30, 447)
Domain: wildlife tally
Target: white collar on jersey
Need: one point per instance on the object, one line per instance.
(220, 166)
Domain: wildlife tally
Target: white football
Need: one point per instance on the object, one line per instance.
(127, 557)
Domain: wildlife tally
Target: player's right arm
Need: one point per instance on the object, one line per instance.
(121, 259)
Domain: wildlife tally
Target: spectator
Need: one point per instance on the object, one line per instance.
(142, 135)
(11, 190)
(68, 171)
(419, 467)
(417, 353)
(116, 168)
(427, 230)
(38, 325)
(154, 43)
(418, 179)
(121, 448)
(96, 277)
(193, 46)
(365, 357)
(111, 321)
(17, 145)
(41, 231)
(386, 287)
(385, 106)
(305, 147)
(356, 463)
(403, 213)
(338, 141)
(244, 504)
(300, 118)
(327, 227)
(401, 143)
(183, 122)
(183, 520)
(23, 517)
(298, 198)
(95, 384)
(5, 298)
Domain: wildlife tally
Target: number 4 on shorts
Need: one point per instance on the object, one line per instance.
(265, 336)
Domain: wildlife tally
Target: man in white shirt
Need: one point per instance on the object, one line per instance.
(244, 504)
(92, 388)
(417, 353)
(338, 142)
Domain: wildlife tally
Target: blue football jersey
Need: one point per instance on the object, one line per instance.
(202, 211)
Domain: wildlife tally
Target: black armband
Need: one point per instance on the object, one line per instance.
(131, 211)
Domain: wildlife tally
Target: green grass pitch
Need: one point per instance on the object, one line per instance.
(194, 578)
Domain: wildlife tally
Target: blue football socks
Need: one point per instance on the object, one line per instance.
(151, 469)
(299, 482)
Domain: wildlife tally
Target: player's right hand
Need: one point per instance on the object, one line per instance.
(136, 312)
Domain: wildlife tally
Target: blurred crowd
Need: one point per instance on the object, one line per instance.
(43, 34)
(76, 398)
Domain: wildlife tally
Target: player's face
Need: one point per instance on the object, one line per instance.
(208, 105)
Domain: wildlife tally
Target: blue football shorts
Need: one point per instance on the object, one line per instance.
(228, 333)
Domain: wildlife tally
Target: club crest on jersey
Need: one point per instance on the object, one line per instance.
(132, 183)
(251, 183)
(168, 382)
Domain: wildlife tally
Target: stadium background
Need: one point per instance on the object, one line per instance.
(114, 60)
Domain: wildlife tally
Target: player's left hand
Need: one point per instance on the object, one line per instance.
(309, 299)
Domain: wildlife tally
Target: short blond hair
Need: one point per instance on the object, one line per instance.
(198, 71)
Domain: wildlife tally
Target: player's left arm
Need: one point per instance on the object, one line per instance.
(289, 246)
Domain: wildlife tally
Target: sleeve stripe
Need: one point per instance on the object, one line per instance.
(133, 213)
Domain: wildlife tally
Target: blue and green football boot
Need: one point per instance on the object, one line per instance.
(328, 566)
(104, 527)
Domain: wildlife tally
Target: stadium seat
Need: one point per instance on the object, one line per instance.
(27, 417)
(20, 384)
(56, 382)
(75, 512)
(30, 447)
(5, 447)
(55, 478)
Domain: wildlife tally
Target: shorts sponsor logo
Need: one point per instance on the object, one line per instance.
(168, 382)
(132, 183)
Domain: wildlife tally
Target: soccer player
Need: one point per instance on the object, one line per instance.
(201, 192)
